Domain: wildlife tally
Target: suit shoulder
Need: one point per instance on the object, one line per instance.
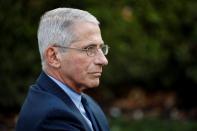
(38, 105)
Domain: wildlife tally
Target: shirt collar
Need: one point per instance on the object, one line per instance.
(75, 97)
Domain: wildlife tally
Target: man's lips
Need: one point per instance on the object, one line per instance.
(96, 74)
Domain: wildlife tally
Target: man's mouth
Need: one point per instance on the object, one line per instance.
(96, 74)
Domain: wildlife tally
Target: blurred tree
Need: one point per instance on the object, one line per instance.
(152, 44)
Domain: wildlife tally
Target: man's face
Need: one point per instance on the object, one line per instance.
(78, 70)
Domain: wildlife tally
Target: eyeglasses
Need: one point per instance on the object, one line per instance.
(91, 50)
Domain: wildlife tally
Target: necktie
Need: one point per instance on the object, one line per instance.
(89, 113)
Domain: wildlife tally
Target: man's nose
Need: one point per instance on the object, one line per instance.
(101, 58)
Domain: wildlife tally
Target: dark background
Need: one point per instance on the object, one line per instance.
(152, 67)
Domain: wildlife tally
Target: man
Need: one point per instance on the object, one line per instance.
(72, 54)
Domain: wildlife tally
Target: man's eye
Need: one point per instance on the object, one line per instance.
(90, 48)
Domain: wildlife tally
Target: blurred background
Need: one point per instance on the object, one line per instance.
(151, 80)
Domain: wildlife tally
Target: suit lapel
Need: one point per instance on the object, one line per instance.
(48, 85)
(100, 118)
(89, 113)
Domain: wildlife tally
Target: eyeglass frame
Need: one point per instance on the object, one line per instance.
(87, 49)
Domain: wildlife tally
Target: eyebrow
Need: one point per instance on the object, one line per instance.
(93, 44)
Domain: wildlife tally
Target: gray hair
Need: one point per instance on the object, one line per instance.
(56, 27)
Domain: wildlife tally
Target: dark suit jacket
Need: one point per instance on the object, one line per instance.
(48, 108)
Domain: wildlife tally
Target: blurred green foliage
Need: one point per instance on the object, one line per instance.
(152, 43)
(152, 125)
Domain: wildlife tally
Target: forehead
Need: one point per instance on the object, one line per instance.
(87, 32)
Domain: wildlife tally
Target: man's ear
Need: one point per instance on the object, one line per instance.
(52, 57)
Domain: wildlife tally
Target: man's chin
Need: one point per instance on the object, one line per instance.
(94, 84)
